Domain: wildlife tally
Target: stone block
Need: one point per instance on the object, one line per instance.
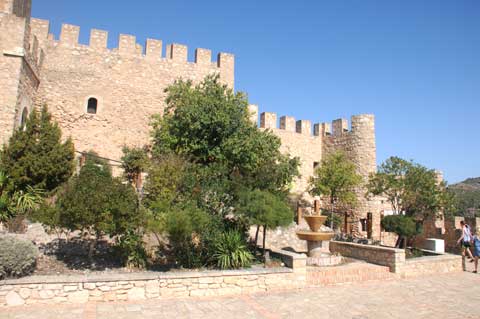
(25, 293)
(14, 299)
(78, 296)
(136, 293)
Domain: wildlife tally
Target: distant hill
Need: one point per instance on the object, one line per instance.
(468, 196)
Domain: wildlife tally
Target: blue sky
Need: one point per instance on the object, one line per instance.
(414, 64)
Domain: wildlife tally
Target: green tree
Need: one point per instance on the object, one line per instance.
(98, 204)
(336, 179)
(263, 208)
(35, 155)
(209, 124)
(412, 189)
(134, 162)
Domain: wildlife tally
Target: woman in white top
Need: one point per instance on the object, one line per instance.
(466, 240)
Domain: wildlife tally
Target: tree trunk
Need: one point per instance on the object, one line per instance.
(264, 237)
(331, 213)
(256, 238)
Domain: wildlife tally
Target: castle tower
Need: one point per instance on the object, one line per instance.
(19, 75)
(363, 155)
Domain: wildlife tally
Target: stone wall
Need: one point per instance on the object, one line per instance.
(379, 255)
(396, 261)
(128, 83)
(429, 265)
(82, 289)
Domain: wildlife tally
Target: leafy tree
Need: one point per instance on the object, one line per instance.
(336, 179)
(98, 204)
(134, 162)
(411, 188)
(205, 152)
(263, 208)
(35, 155)
(209, 124)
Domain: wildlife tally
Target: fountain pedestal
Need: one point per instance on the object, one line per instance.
(318, 242)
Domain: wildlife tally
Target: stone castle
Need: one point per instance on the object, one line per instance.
(104, 98)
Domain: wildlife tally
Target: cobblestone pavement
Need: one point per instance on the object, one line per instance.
(442, 296)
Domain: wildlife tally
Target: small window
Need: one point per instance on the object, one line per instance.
(24, 117)
(92, 105)
(315, 165)
(363, 223)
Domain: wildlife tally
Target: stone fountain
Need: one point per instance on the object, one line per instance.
(317, 239)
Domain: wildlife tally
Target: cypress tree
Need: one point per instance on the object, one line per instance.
(35, 155)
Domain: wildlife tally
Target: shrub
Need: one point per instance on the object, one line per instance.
(404, 226)
(17, 257)
(131, 250)
(189, 230)
(231, 251)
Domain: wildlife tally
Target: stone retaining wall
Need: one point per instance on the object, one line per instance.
(396, 261)
(379, 255)
(429, 265)
(116, 287)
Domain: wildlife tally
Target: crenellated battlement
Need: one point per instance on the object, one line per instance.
(336, 128)
(127, 45)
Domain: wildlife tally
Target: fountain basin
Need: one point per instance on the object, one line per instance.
(314, 236)
(315, 222)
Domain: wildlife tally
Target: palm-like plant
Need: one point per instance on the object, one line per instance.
(19, 202)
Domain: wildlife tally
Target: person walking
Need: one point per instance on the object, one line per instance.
(465, 241)
(476, 247)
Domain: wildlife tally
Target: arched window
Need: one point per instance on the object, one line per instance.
(92, 105)
(23, 120)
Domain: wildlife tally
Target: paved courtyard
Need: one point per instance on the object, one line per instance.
(443, 296)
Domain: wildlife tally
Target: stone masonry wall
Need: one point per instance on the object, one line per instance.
(82, 289)
(396, 261)
(127, 82)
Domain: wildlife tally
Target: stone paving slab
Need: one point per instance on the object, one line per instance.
(442, 296)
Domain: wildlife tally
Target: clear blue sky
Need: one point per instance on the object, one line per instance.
(414, 64)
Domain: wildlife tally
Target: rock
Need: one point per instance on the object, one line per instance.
(25, 293)
(14, 299)
(136, 293)
(78, 296)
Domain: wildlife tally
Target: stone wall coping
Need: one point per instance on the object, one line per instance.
(370, 247)
(294, 255)
(435, 258)
(141, 276)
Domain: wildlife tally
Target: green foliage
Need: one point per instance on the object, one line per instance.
(265, 208)
(410, 188)
(131, 250)
(134, 162)
(467, 197)
(400, 224)
(17, 257)
(231, 251)
(95, 202)
(190, 231)
(334, 220)
(35, 156)
(209, 124)
(17, 203)
(336, 179)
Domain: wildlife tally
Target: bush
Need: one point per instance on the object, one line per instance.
(404, 226)
(17, 257)
(189, 231)
(231, 251)
(131, 250)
